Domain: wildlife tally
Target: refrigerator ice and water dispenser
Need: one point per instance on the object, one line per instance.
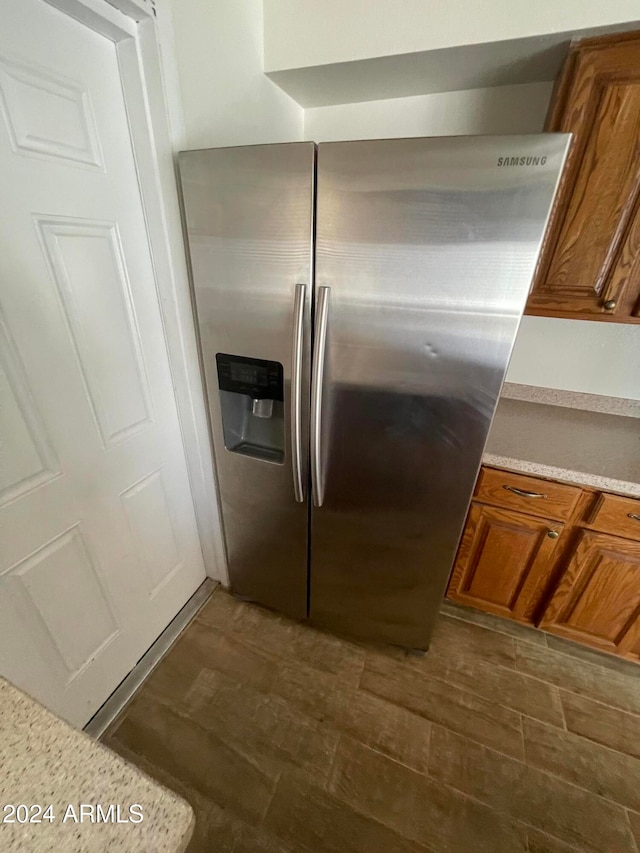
(252, 406)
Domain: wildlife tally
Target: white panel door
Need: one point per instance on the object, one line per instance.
(98, 540)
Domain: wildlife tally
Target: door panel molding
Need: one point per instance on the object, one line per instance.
(117, 318)
(28, 467)
(76, 640)
(158, 548)
(77, 145)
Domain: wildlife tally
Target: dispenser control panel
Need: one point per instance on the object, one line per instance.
(255, 377)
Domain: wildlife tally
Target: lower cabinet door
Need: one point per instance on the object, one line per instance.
(597, 600)
(505, 562)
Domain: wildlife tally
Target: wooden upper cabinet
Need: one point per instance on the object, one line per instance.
(505, 562)
(597, 600)
(590, 263)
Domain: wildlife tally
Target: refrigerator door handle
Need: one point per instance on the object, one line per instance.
(316, 394)
(296, 391)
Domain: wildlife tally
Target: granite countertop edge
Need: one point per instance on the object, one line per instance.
(44, 758)
(621, 406)
(576, 478)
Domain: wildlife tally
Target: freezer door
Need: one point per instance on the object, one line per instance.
(425, 252)
(249, 223)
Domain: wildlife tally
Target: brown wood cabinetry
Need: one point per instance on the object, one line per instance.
(590, 263)
(557, 556)
(597, 600)
(526, 494)
(620, 516)
(504, 562)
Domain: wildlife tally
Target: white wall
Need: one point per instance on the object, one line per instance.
(226, 99)
(596, 358)
(217, 95)
(503, 109)
(300, 33)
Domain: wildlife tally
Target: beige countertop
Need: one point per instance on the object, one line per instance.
(590, 448)
(44, 761)
(572, 399)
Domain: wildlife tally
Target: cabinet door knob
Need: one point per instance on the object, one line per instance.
(609, 305)
(553, 534)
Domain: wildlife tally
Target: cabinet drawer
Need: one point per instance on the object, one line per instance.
(527, 494)
(616, 515)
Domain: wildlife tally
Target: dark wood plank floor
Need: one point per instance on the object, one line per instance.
(285, 738)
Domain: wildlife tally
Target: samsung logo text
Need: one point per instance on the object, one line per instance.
(521, 161)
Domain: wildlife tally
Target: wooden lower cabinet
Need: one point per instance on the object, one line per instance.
(505, 561)
(578, 577)
(597, 600)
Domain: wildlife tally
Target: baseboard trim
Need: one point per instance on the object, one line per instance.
(107, 713)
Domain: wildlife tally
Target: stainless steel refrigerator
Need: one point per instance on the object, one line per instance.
(357, 303)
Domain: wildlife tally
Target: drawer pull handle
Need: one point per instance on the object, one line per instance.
(633, 516)
(522, 493)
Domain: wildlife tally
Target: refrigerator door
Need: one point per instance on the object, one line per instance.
(249, 222)
(425, 251)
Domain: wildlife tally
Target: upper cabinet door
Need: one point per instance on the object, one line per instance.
(590, 266)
